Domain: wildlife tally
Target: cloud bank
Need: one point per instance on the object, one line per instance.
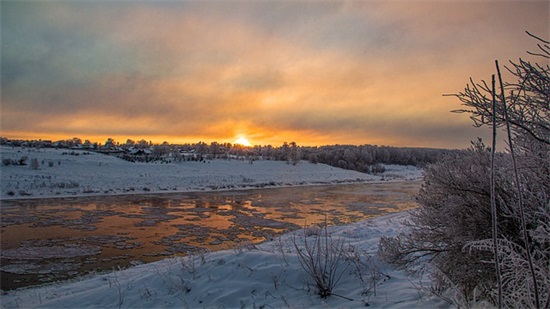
(315, 73)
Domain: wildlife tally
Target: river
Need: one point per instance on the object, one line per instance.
(45, 240)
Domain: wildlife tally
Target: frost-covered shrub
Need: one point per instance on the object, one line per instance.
(66, 185)
(23, 160)
(452, 229)
(7, 161)
(34, 164)
(378, 168)
(452, 226)
(323, 259)
(454, 209)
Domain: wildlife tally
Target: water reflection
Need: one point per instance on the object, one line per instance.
(52, 239)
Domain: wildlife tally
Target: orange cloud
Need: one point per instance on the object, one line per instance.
(326, 73)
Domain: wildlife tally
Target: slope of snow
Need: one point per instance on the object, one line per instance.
(64, 172)
(262, 276)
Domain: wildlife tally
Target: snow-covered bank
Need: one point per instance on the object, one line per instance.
(268, 275)
(63, 172)
(262, 276)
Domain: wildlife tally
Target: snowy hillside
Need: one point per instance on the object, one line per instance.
(62, 172)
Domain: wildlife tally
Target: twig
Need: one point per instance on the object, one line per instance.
(493, 200)
(346, 298)
(520, 195)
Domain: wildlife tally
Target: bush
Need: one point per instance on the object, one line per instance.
(454, 210)
(34, 164)
(23, 160)
(452, 229)
(323, 260)
(7, 162)
(378, 168)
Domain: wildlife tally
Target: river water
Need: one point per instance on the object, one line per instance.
(45, 240)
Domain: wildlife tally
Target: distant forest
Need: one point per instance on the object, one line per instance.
(363, 158)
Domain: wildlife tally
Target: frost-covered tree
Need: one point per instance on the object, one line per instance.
(528, 103)
(294, 156)
(452, 228)
(130, 143)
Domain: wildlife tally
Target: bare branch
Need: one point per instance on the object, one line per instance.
(536, 37)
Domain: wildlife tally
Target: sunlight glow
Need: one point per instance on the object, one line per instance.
(242, 141)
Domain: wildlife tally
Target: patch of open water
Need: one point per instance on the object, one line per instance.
(45, 240)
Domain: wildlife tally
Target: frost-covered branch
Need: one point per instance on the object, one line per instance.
(504, 219)
(527, 100)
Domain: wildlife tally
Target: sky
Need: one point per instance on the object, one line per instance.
(316, 73)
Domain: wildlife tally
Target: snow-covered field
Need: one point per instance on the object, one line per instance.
(268, 275)
(64, 172)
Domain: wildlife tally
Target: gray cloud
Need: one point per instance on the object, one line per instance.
(335, 72)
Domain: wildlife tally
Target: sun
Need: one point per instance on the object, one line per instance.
(242, 141)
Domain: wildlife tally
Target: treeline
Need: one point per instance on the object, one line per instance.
(367, 158)
(363, 158)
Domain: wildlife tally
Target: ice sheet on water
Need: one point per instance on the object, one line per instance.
(38, 268)
(53, 252)
(46, 259)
